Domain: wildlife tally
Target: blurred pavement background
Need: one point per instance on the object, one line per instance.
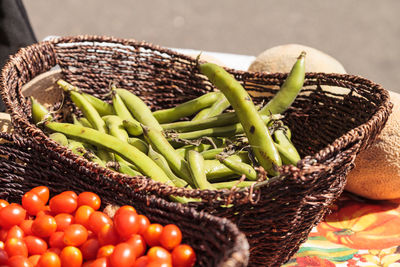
(364, 35)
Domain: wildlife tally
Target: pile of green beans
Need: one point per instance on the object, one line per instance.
(196, 144)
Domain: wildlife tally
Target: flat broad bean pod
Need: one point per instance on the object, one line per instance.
(196, 166)
(217, 108)
(132, 126)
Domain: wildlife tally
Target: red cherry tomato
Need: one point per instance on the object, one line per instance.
(144, 223)
(105, 251)
(49, 259)
(19, 261)
(126, 222)
(142, 261)
(138, 244)
(15, 232)
(75, 235)
(26, 226)
(101, 262)
(127, 207)
(171, 236)
(70, 194)
(89, 199)
(54, 250)
(3, 257)
(46, 211)
(35, 245)
(159, 264)
(63, 220)
(123, 255)
(43, 193)
(1, 245)
(56, 240)
(63, 203)
(97, 220)
(152, 234)
(82, 215)
(11, 215)
(34, 259)
(71, 257)
(3, 234)
(44, 226)
(108, 235)
(183, 256)
(87, 263)
(89, 249)
(15, 246)
(158, 253)
(32, 203)
(3, 203)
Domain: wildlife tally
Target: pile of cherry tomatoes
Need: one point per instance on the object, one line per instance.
(71, 231)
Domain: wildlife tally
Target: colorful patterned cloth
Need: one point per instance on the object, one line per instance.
(357, 232)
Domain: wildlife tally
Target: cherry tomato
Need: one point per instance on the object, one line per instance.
(26, 226)
(126, 222)
(183, 256)
(101, 262)
(82, 215)
(32, 203)
(70, 194)
(105, 251)
(75, 235)
(34, 259)
(49, 259)
(87, 263)
(44, 226)
(19, 261)
(152, 234)
(108, 235)
(89, 249)
(11, 215)
(15, 246)
(56, 240)
(3, 234)
(35, 245)
(1, 245)
(89, 199)
(171, 236)
(144, 223)
(42, 192)
(15, 232)
(71, 257)
(138, 244)
(56, 251)
(159, 264)
(158, 253)
(46, 211)
(123, 255)
(127, 207)
(91, 234)
(3, 203)
(63, 203)
(142, 261)
(3, 257)
(63, 220)
(97, 220)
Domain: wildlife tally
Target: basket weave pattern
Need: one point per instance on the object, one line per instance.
(24, 164)
(329, 130)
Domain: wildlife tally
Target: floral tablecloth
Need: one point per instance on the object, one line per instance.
(357, 232)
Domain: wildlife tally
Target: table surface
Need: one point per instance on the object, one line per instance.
(357, 232)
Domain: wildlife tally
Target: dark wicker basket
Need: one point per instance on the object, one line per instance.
(329, 130)
(25, 164)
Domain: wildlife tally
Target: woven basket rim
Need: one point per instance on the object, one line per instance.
(308, 164)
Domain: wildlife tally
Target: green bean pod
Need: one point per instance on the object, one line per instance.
(126, 169)
(223, 131)
(215, 170)
(139, 144)
(200, 148)
(115, 127)
(128, 152)
(286, 148)
(216, 108)
(196, 166)
(103, 108)
(59, 138)
(79, 149)
(289, 89)
(254, 127)
(186, 109)
(163, 164)
(178, 164)
(85, 122)
(75, 120)
(140, 111)
(231, 184)
(132, 126)
(39, 112)
(239, 168)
